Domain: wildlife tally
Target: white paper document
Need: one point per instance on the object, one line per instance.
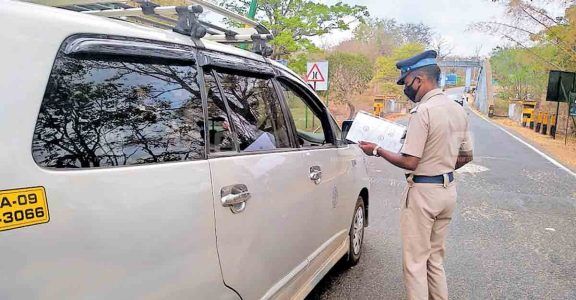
(386, 134)
(263, 142)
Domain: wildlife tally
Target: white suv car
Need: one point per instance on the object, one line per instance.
(136, 163)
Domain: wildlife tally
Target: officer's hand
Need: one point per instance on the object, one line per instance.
(367, 147)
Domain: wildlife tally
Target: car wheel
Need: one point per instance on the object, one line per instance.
(356, 234)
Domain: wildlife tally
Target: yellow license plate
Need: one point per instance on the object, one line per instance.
(23, 207)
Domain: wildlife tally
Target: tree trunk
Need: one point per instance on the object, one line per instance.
(352, 109)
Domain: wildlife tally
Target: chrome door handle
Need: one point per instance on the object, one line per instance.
(316, 174)
(235, 197)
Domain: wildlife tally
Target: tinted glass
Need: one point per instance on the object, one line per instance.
(99, 113)
(337, 132)
(308, 125)
(221, 136)
(255, 112)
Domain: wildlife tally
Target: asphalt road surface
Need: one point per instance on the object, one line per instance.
(513, 235)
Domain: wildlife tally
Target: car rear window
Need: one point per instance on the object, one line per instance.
(115, 112)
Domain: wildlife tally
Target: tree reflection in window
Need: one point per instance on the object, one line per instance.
(255, 112)
(222, 139)
(99, 113)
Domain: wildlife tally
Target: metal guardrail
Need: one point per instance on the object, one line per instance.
(460, 63)
(484, 98)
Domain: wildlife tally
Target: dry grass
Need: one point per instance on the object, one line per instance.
(364, 103)
(556, 148)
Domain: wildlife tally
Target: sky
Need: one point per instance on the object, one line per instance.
(448, 18)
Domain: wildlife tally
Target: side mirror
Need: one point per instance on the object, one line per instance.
(346, 125)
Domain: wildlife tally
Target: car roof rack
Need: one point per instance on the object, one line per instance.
(181, 19)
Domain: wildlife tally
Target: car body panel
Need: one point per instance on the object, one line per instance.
(113, 232)
(156, 231)
(286, 210)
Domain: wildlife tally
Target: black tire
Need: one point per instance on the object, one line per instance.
(358, 220)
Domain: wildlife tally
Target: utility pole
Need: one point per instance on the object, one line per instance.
(251, 15)
(252, 11)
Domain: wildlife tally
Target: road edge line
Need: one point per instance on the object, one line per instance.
(546, 156)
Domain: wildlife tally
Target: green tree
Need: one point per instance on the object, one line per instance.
(529, 24)
(385, 72)
(349, 76)
(519, 76)
(542, 41)
(563, 37)
(388, 34)
(297, 61)
(294, 21)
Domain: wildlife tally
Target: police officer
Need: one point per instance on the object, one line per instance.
(437, 142)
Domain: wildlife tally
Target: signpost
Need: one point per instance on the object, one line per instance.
(317, 74)
(561, 86)
(572, 97)
(451, 79)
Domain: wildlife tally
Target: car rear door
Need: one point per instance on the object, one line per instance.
(264, 200)
(118, 157)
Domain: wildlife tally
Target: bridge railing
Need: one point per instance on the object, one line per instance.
(483, 98)
(484, 94)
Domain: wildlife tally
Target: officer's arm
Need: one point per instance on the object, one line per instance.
(400, 160)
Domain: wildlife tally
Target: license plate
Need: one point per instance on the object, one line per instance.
(23, 207)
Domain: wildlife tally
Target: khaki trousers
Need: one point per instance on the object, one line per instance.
(425, 214)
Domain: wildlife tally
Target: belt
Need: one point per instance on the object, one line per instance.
(431, 179)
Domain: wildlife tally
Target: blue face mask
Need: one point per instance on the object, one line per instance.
(410, 92)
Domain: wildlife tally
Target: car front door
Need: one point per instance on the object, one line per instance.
(311, 123)
(263, 195)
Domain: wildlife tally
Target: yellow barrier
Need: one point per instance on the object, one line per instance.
(544, 123)
(378, 106)
(525, 120)
(528, 112)
(538, 122)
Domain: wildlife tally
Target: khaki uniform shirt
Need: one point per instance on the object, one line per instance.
(438, 131)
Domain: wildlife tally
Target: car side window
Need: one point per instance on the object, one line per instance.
(337, 132)
(109, 112)
(255, 113)
(221, 137)
(309, 127)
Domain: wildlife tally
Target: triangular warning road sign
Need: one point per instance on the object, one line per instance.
(315, 75)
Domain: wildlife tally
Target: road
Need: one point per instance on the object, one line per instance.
(513, 235)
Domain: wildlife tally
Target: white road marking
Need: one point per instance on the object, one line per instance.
(492, 157)
(550, 229)
(550, 159)
(472, 168)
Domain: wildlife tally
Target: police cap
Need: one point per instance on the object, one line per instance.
(423, 59)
